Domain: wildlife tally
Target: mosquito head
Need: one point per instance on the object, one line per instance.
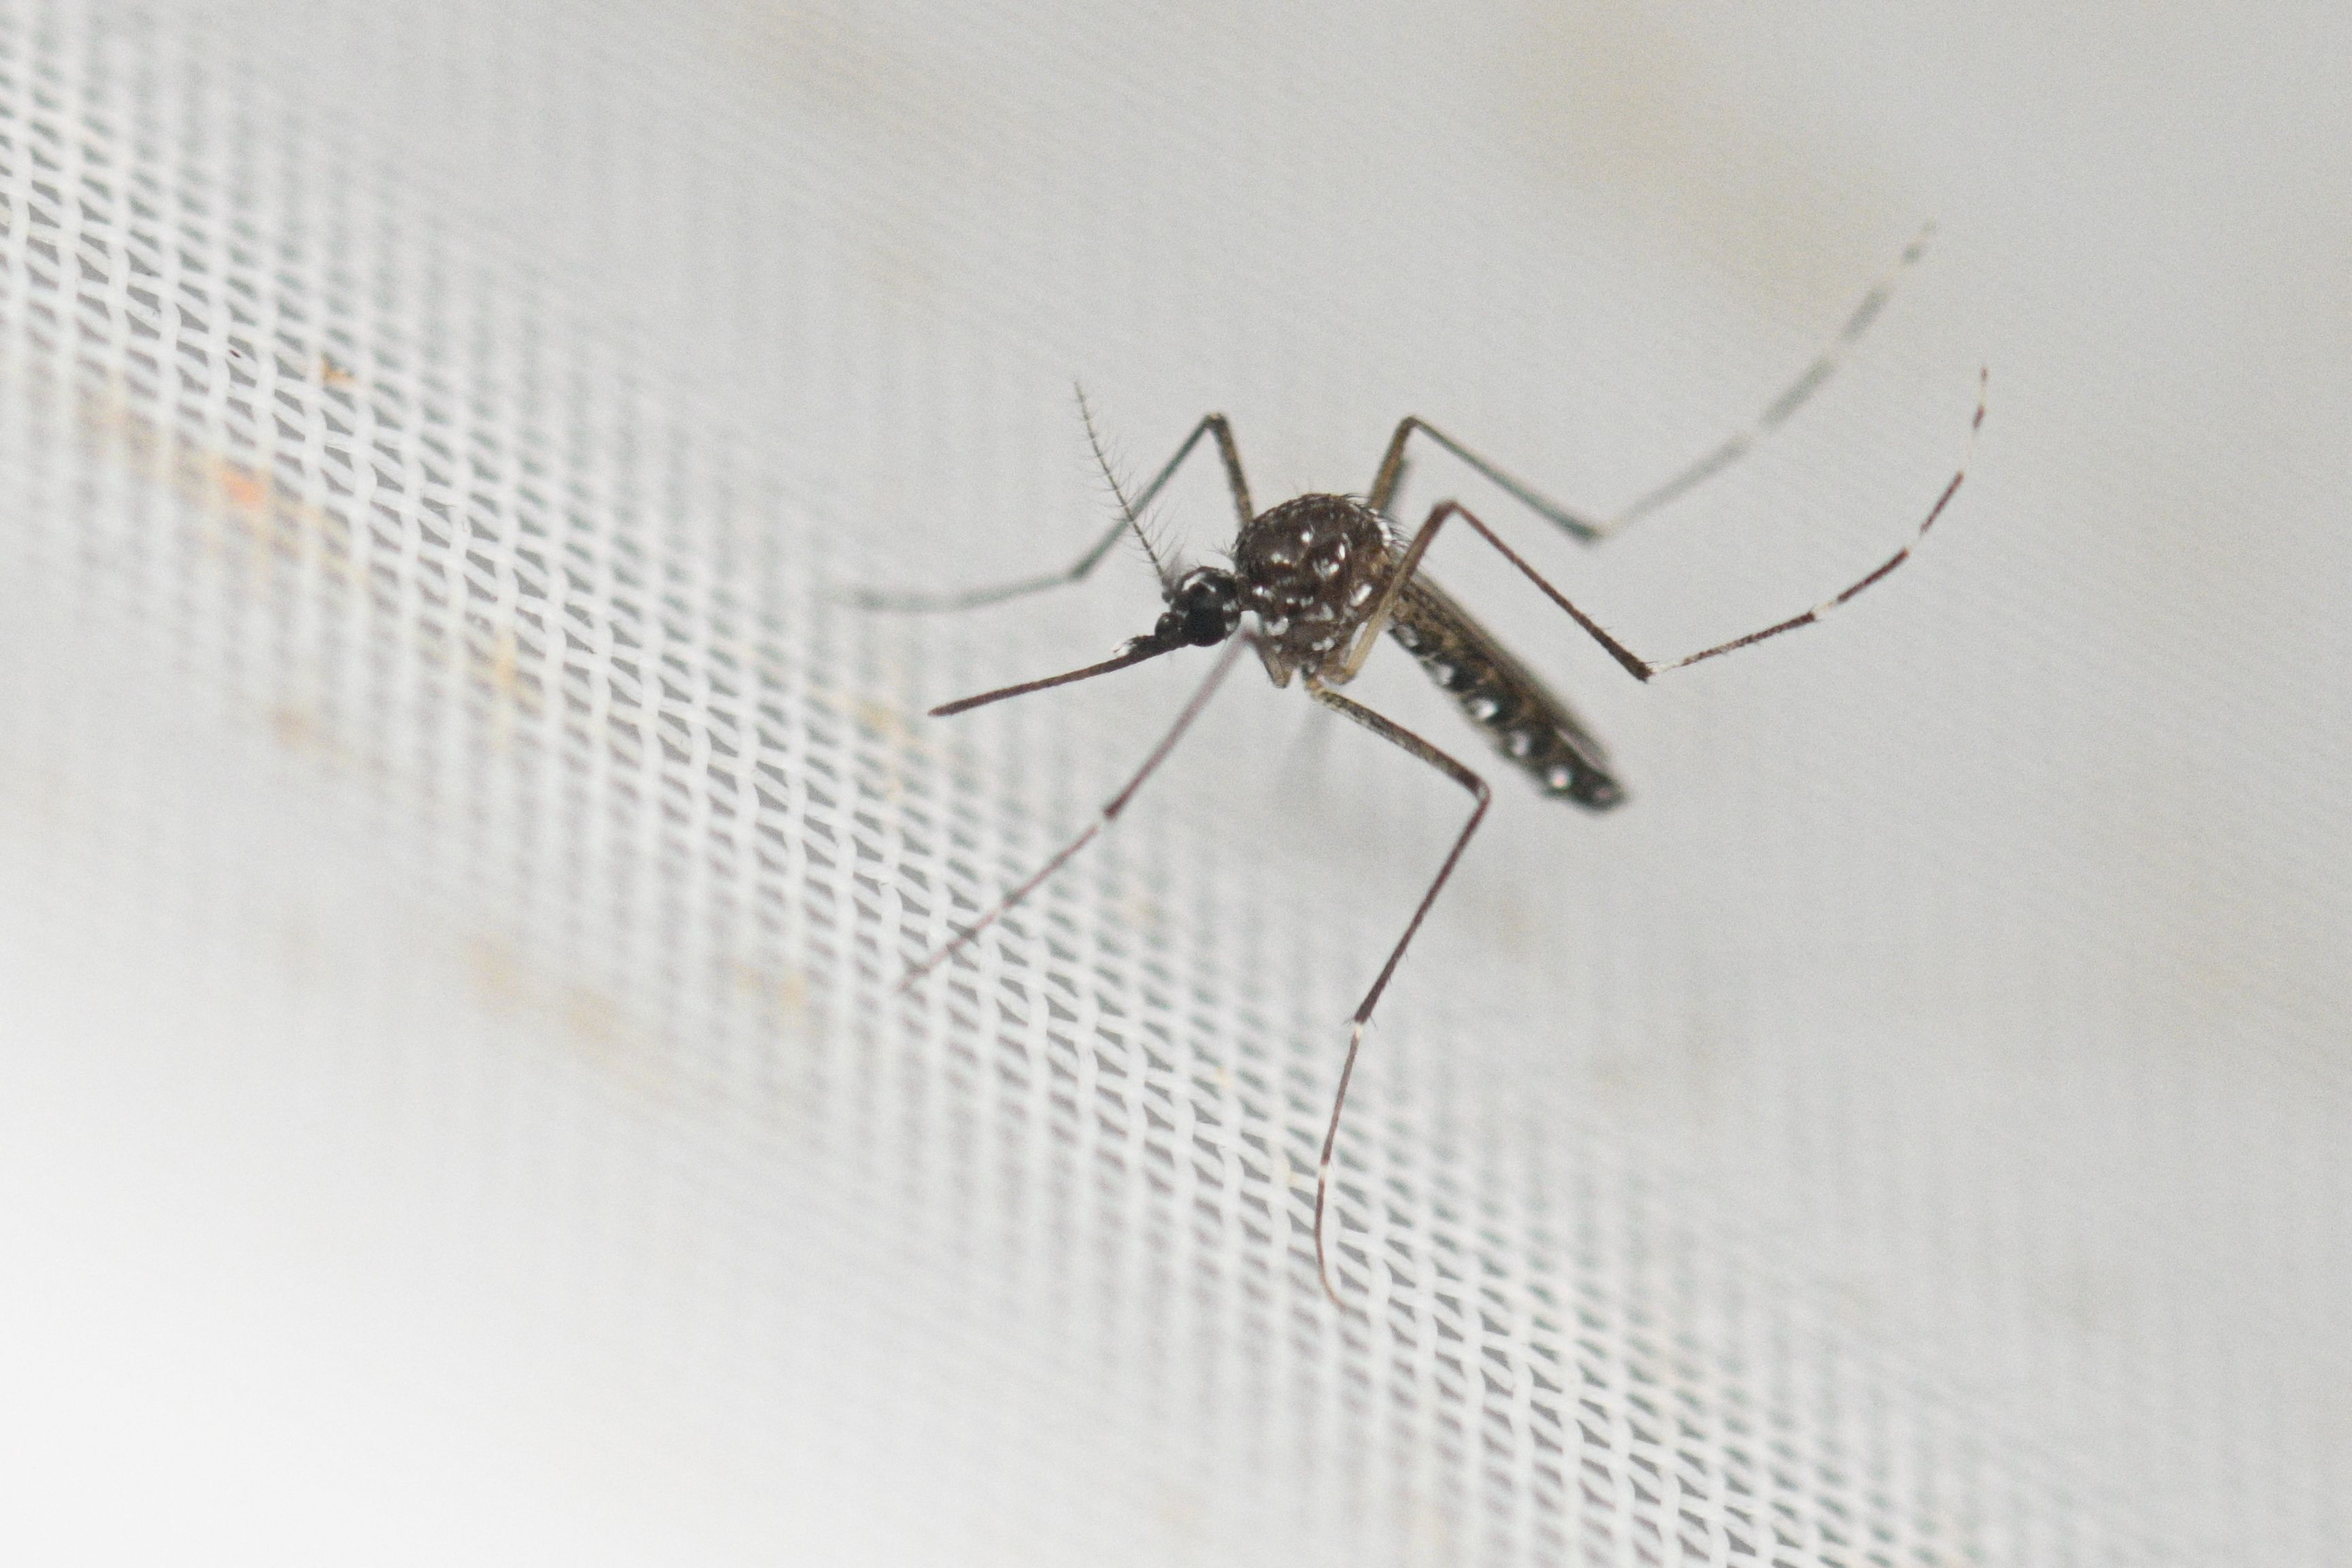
(1203, 610)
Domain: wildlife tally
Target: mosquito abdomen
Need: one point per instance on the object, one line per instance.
(1532, 728)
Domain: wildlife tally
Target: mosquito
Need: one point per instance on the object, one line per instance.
(1315, 581)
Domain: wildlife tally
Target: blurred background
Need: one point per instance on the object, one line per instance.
(458, 848)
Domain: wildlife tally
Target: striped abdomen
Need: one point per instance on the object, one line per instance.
(1531, 728)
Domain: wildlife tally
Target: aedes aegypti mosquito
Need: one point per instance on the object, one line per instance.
(1317, 580)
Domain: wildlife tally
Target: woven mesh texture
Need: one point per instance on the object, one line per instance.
(458, 848)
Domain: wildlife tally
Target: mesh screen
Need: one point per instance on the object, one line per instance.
(458, 848)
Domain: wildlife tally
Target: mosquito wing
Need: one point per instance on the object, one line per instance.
(1533, 729)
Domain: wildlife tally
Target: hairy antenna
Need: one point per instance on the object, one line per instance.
(1119, 491)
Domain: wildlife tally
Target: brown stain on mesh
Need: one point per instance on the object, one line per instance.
(292, 728)
(268, 529)
(783, 989)
(1634, 108)
(585, 1018)
(264, 533)
(242, 491)
(259, 523)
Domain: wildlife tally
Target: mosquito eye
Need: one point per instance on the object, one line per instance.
(1206, 609)
(1207, 621)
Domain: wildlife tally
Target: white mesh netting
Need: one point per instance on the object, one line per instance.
(458, 850)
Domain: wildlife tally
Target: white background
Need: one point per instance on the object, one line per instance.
(457, 1109)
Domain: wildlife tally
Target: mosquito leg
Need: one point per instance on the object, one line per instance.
(1794, 396)
(1216, 426)
(1392, 467)
(1109, 814)
(1642, 669)
(973, 599)
(1396, 734)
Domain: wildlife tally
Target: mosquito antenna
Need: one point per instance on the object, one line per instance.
(1136, 650)
(1119, 491)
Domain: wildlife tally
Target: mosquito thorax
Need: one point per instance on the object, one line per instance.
(1309, 571)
